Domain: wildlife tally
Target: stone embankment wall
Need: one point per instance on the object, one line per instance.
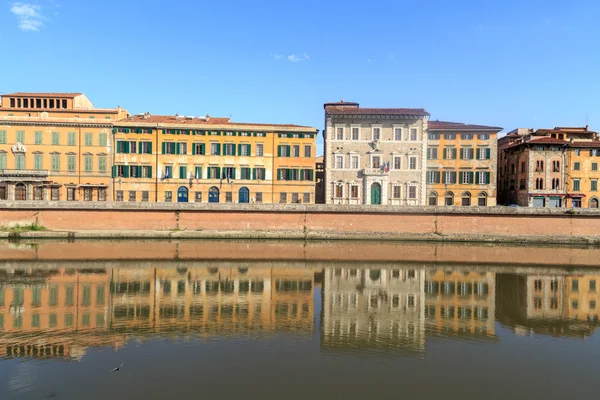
(497, 224)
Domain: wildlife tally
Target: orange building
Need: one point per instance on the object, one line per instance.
(55, 146)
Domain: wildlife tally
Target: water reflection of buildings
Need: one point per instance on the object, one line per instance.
(559, 305)
(62, 312)
(373, 307)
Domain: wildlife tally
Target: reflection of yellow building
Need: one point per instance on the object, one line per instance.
(375, 307)
(55, 146)
(561, 305)
(207, 159)
(459, 302)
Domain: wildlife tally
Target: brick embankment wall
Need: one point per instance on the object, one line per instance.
(495, 224)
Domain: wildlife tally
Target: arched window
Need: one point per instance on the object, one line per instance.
(539, 166)
(482, 199)
(244, 195)
(213, 195)
(433, 199)
(449, 199)
(466, 199)
(374, 274)
(593, 203)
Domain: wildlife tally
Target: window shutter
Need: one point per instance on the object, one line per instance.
(289, 152)
(114, 171)
(139, 170)
(126, 172)
(233, 173)
(278, 174)
(193, 149)
(444, 174)
(460, 178)
(218, 149)
(279, 151)
(437, 176)
(312, 175)
(461, 151)
(428, 178)
(233, 148)
(445, 153)
(487, 178)
(253, 173)
(488, 154)
(150, 171)
(301, 174)
(218, 172)
(164, 148)
(248, 148)
(140, 147)
(177, 148)
(471, 177)
(202, 149)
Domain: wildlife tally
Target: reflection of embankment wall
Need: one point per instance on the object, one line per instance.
(298, 252)
(309, 221)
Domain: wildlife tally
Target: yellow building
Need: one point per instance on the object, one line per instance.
(583, 174)
(461, 164)
(582, 296)
(55, 146)
(206, 159)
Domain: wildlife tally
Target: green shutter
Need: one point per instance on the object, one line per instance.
(140, 148)
(289, 151)
(460, 178)
(177, 148)
(218, 149)
(115, 130)
(488, 153)
(193, 149)
(444, 175)
(150, 148)
(311, 175)
(233, 173)
(164, 148)
(239, 149)
(279, 151)
(218, 172)
(278, 174)
(460, 151)
(126, 147)
(126, 172)
(203, 149)
(445, 153)
(487, 178)
(233, 148)
(253, 173)
(150, 171)
(114, 171)
(471, 177)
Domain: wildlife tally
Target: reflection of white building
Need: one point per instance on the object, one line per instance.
(373, 307)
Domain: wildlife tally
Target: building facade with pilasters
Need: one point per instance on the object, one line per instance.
(374, 155)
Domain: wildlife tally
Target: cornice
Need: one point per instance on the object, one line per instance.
(4, 122)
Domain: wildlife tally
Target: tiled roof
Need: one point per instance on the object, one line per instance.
(459, 126)
(585, 144)
(546, 140)
(376, 111)
(182, 120)
(53, 95)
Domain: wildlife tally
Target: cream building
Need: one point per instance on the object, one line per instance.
(375, 155)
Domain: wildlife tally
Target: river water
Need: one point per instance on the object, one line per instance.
(287, 320)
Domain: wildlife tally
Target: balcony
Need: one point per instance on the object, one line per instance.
(24, 173)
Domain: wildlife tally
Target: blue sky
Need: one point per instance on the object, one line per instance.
(505, 63)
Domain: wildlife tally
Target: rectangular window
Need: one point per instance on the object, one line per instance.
(87, 164)
(169, 148)
(354, 162)
(433, 176)
(594, 185)
(19, 161)
(182, 148)
(168, 196)
(2, 160)
(71, 161)
(577, 152)
(483, 136)
(484, 153)
(594, 166)
(119, 195)
(260, 149)
(259, 197)
(38, 137)
(576, 184)
(198, 197)
(295, 198)
(55, 162)
(87, 194)
(168, 171)
(296, 151)
(245, 173)
(576, 166)
(375, 162)
(260, 173)
(283, 197)
(413, 134)
(397, 192)
(466, 177)
(449, 177)
(182, 172)
(307, 151)
(132, 195)
(306, 198)
(88, 139)
(284, 151)
(355, 133)
(450, 136)
(412, 163)
(56, 138)
(339, 162)
(229, 149)
(101, 194)
(467, 153)
(71, 194)
(339, 191)
(102, 164)
(37, 161)
(145, 195)
(102, 139)
(21, 137)
(376, 133)
(412, 192)
(244, 149)
(71, 138)
(213, 172)
(432, 153)
(339, 133)
(433, 136)
(354, 191)
(2, 137)
(397, 133)
(450, 153)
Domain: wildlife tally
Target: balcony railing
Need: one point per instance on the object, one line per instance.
(30, 173)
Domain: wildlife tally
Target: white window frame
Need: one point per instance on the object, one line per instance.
(408, 186)
(335, 186)
(354, 157)
(482, 152)
(410, 130)
(481, 178)
(448, 175)
(336, 158)
(394, 127)
(260, 146)
(372, 156)
(394, 158)
(373, 127)
(335, 132)
(393, 194)
(410, 158)
(352, 127)
(465, 175)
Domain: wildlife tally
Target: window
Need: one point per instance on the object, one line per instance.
(433, 176)
(449, 177)
(2, 137)
(245, 173)
(466, 199)
(102, 139)
(354, 162)
(283, 197)
(259, 149)
(397, 133)
(539, 166)
(38, 137)
(592, 285)
(523, 166)
(593, 152)
(432, 153)
(450, 153)
(119, 195)
(397, 162)
(482, 200)
(197, 197)
(555, 184)
(19, 161)
(574, 304)
(284, 151)
(229, 149)
(594, 185)
(215, 149)
(55, 138)
(101, 194)
(433, 199)
(539, 184)
(413, 134)
(228, 197)
(339, 191)
(306, 198)
(450, 136)
(467, 153)
(145, 147)
(375, 162)
(555, 166)
(339, 133)
(466, 177)
(295, 151)
(259, 197)
(483, 178)
(537, 285)
(355, 133)
(294, 197)
(88, 139)
(577, 152)
(182, 172)
(354, 191)
(483, 136)
(168, 196)
(376, 133)
(307, 174)
(575, 285)
(433, 136)
(71, 161)
(71, 139)
(594, 166)
(169, 148)
(466, 136)
(87, 194)
(339, 162)
(260, 173)
(71, 194)
(412, 192)
(397, 192)
(307, 151)
(2, 160)
(213, 172)
(522, 184)
(412, 162)
(87, 164)
(484, 153)
(21, 136)
(37, 162)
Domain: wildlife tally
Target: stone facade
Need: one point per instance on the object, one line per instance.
(374, 156)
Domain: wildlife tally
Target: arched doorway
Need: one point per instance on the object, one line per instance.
(376, 193)
(433, 199)
(213, 195)
(466, 199)
(449, 200)
(182, 194)
(20, 191)
(244, 195)
(593, 203)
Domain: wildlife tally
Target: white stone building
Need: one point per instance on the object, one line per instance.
(375, 155)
